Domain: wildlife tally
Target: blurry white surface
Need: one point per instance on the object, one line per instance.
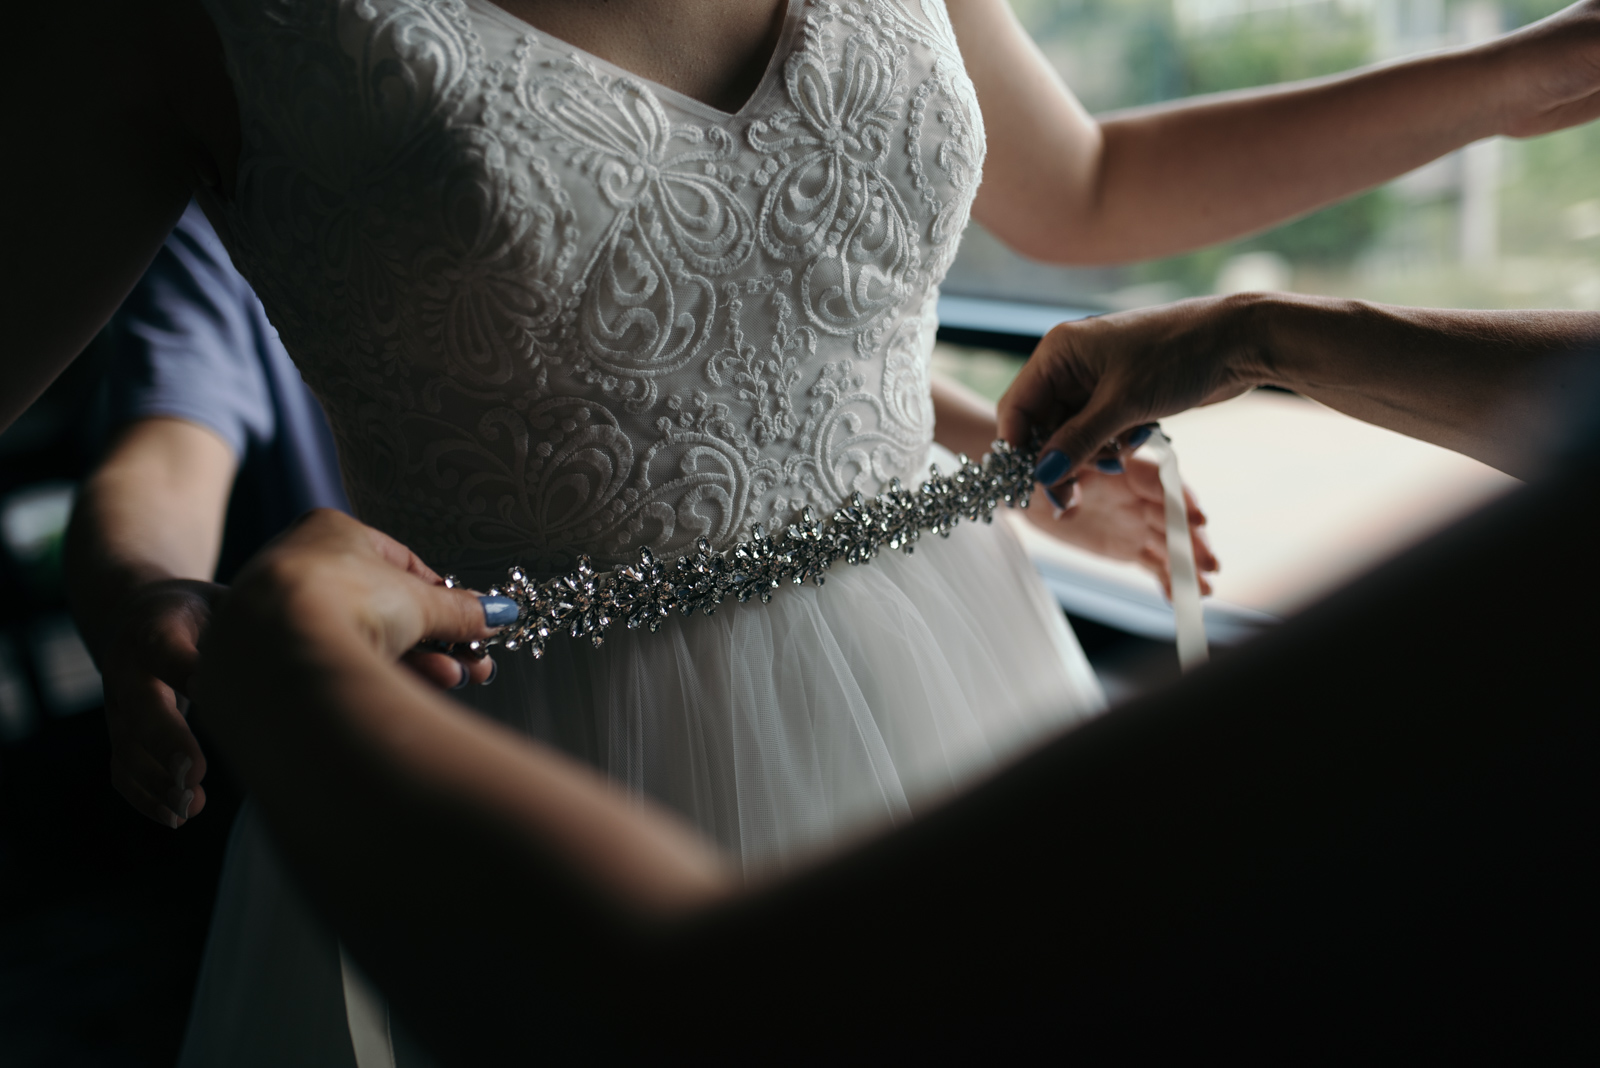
(1301, 500)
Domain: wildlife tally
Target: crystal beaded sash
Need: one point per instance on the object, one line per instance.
(584, 603)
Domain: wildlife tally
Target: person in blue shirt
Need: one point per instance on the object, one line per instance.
(216, 446)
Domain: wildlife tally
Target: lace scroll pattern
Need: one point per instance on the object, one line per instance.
(553, 309)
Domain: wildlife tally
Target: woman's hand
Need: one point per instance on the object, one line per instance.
(331, 571)
(1092, 383)
(1123, 517)
(156, 764)
(1551, 71)
(355, 764)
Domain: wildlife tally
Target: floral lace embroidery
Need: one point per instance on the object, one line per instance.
(553, 309)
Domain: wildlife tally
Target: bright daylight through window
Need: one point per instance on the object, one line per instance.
(1301, 499)
(1501, 224)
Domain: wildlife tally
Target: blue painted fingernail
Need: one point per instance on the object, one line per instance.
(465, 674)
(1110, 466)
(1051, 493)
(499, 611)
(1052, 467)
(494, 671)
(1139, 436)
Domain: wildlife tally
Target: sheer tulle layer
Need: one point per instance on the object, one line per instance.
(776, 728)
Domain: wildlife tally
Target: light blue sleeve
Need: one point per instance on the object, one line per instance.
(185, 342)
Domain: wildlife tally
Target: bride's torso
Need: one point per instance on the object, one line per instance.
(552, 308)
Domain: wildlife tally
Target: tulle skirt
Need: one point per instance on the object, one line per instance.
(779, 730)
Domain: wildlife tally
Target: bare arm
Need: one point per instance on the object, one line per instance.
(1467, 380)
(128, 108)
(1061, 187)
(141, 550)
(151, 512)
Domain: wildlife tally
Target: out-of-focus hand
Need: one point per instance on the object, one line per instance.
(1552, 71)
(333, 575)
(156, 764)
(1091, 384)
(1123, 517)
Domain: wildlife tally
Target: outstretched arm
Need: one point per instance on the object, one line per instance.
(509, 901)
(1467, 380)
(1061, 187)
(128, 109)
(141, 550)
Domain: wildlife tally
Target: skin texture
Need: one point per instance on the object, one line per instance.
(1062, 187)
(1467, 380)
(141, 548)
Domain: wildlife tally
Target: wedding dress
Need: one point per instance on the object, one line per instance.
(553, 309)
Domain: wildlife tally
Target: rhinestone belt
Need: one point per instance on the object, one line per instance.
(584, 603)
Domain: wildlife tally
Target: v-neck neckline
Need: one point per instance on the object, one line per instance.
(763, 88)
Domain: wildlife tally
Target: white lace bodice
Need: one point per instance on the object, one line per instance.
(553, 308)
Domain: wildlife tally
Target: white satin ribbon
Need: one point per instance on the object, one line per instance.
(367, 1015)
(1189, 619)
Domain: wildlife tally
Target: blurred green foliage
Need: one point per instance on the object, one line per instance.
(1125, 53)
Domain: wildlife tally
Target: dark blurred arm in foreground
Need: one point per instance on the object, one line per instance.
(1369, 825)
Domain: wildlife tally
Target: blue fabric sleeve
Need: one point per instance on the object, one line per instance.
(186, 341)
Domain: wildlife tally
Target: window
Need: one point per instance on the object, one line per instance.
(1501, 224)
(1301, 499)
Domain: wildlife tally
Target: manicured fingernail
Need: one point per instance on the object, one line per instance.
(494, 672)
(499, 611)
(172, 820)
(465, 675)
(1070, 488)
(1052, 467)
(1110, 465)
(1140, 435)
(179, 801)
(180, 765)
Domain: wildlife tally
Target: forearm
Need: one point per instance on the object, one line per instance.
(1060, 187)
(100, 183)
(152, 511)
(1471, 381)
(1182, 176)
(963, 422)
